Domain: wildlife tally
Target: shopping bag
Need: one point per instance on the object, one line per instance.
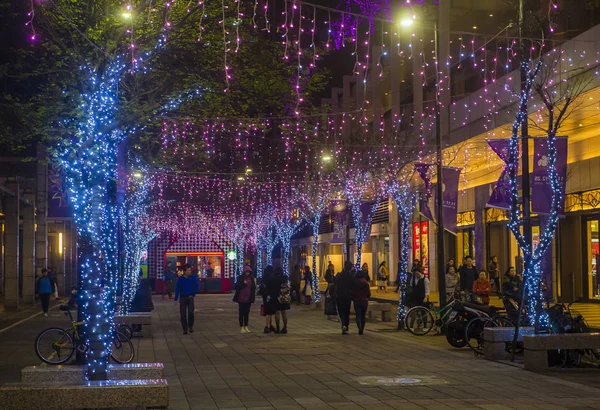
(330, 307)
(262, 309)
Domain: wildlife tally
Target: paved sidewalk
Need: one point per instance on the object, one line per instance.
(315, 367)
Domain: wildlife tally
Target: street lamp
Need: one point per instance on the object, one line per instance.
(441, 277)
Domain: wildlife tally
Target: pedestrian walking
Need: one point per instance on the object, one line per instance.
(452, 282)
(45, 288)
(468, 274)
(494, 274)
(169, 280)
(420, 288)
(361, 293)
(295, 281)
(330, 274)
(365, 269)
(344, 283)
(382, 277)
(245, 295)
(307, 291)
(185, 291)
(482, 289)
(279, 291)
(269, 308)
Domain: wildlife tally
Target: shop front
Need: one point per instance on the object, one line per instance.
(590, 280)
(421, 244)
(207, 266)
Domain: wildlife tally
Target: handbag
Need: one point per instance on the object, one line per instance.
(262, 309)
(330, 307)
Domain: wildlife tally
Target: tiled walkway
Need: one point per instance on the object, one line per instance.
(315, 367)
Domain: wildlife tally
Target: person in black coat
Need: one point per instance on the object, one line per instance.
(345, 281)
(468, 274)
(245, 295)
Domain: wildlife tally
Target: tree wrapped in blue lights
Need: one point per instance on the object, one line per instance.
(400, 190)
(359, 183)
(558, 90)
(287, 225)
(137, 235)
(315, 199)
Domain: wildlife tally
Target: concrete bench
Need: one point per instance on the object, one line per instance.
(496, 338)
(537, 347)
(76, 374)
(384, 308)
(152, 393)
(142, 319)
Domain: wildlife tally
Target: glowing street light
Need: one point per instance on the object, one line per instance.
(327, 158)
(407, 22)
(126, 15)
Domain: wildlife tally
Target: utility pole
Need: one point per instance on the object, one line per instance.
(441, 272)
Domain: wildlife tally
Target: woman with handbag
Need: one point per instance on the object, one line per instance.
(382, 277)
(268, 309)
(282, 300)
(307, 291)
(482, 289)
(245, 295)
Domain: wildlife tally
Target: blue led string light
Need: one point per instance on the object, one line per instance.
(405, 201)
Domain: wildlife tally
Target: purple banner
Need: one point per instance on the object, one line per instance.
(367, 210)
(451, 178)
(541, 190)
(501, 197)
(339, 219)
(58, 199)
(423, 170)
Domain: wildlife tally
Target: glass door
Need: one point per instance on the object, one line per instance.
(593, 252)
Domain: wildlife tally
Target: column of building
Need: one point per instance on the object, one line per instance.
(28, 246)
(11, 247)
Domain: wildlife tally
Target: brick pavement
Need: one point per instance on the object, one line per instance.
(315, 367)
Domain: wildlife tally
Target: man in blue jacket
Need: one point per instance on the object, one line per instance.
(185, 290)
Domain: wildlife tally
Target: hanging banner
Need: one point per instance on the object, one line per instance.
(367, 210)
(451, 178)
(422, 170)
(339, 220)
(58, 200)
(501, 197)
(541, 190)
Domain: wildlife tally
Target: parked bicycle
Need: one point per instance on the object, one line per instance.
(55, 345)
(562, 318)
(420, 320)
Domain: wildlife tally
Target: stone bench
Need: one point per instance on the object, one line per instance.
(76, 374)
(384, 308)
(496, 338)
(538, 346)
(142, 319)
(153, 393)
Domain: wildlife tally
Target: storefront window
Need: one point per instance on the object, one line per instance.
(466, 245)
(593, 252)
(421, 244)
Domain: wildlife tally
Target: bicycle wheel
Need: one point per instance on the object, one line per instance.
(54, 345)
(122, 349)
(419, 321)
(474, 334)
(125, 329)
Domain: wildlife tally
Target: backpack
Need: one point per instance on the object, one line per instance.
(284, 295)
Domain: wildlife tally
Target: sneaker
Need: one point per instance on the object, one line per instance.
(46, 314)
(344, 330)
(191, 330)
(267, 330)
(185, 332)
(273, 330)
(243, 330)
(277, 331)
(361, 332)
(284, 331)
(247, 330)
